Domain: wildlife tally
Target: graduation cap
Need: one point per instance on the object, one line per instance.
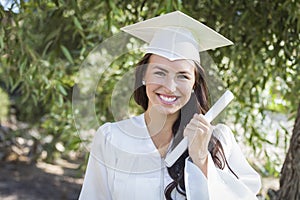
(176, 36)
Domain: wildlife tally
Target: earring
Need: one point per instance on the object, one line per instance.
(143, 82)
(192, 90)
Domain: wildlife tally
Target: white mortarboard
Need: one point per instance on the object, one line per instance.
(176, 36)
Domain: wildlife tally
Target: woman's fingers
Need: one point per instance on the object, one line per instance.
(199, 121)
(198, 130)
(201, 118)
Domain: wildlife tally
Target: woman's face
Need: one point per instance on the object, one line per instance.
(169, 83)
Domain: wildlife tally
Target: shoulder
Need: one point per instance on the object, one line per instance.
(224, 134)
(115, 133)
(125, 123)
(125, 129)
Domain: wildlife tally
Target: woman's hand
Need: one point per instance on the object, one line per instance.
(198, 132)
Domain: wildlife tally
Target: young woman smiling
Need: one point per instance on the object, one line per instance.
(127, 157)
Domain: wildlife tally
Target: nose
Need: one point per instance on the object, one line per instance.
(170, 84)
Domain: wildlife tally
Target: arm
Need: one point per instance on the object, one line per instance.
(198, 131)
(222, 184)
(238, 162)
(95, 186)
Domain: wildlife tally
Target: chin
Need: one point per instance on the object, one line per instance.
(168, 111)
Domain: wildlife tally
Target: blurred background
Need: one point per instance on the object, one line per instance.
(44, 43)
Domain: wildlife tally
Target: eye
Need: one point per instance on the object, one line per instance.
(159, 73)
(182, 76)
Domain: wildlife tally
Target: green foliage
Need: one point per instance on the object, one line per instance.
(43, 46)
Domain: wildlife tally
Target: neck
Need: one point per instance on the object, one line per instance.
(158, 122)
(160, 129)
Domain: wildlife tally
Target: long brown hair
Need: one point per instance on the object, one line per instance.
(198, 103)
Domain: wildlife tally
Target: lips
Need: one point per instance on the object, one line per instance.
(167, 99)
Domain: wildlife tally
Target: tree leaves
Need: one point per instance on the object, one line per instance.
(67, 53)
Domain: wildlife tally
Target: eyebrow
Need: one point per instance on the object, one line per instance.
(162, 69)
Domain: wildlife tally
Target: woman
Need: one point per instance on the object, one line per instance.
(127, 157)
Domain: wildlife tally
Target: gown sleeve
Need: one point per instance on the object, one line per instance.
(222, 184)
(95, 185)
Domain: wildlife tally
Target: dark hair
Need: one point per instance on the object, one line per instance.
(198, 103)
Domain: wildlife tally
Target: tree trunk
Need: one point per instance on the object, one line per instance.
(290, 172)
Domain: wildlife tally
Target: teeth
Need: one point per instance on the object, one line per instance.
(167, 99)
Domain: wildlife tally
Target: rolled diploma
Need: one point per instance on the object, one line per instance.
(212, 113)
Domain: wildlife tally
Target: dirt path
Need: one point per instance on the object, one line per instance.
(41, 181)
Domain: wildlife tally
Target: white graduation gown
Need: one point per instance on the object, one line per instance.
(125, 164)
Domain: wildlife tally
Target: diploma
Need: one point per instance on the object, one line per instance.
(212, 113)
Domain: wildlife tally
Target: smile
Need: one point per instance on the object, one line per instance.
(167, 99)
